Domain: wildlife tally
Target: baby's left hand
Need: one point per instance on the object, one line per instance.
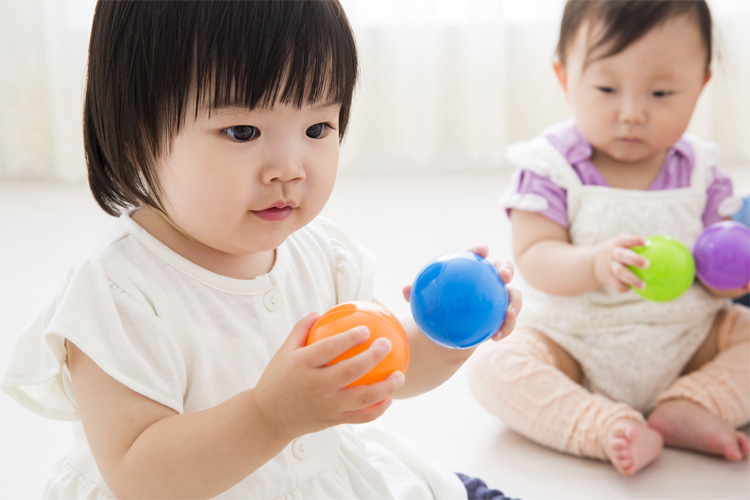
(506, 270)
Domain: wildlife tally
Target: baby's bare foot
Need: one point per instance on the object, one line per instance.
(684, 424)
(632, 445)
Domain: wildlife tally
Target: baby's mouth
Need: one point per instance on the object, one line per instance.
(274, 213)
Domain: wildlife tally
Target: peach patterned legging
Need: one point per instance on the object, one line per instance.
(526, 382)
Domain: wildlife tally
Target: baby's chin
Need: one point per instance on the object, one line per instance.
(630, 152)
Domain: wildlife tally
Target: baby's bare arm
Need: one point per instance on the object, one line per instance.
(728, 294)
(146, 450)
(549, 262)
(430, 364)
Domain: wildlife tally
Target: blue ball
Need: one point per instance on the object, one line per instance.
(458, 300)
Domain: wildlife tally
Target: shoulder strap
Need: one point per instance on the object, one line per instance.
(541, 157)
(706, 156)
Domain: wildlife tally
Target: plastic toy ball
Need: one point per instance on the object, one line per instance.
(722, 255)
(672, 269)
(381, 323)
(458, 300)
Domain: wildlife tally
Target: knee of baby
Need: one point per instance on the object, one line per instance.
(550, 352)
(736, 327)
(520, 352)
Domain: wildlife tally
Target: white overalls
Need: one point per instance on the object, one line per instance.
(629, 349)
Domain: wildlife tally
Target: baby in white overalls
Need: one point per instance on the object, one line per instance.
(591, 357)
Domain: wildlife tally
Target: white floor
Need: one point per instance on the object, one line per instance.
(405, 221)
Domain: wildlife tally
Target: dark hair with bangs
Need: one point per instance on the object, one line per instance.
(153, 63)
(626, 21)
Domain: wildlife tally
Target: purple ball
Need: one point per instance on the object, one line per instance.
(722, 255)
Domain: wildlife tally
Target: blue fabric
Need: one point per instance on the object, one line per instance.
(478, 490)
(743, 214)
(743, 217)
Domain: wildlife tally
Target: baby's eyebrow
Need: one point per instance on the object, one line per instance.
(224, 110)
(663, 76)
(236, 109)
(325, 105)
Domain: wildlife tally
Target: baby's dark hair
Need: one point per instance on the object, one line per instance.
(152, 63)
(626, 21)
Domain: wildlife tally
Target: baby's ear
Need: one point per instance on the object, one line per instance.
(562, 76)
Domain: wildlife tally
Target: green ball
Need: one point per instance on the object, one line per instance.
(672, 269)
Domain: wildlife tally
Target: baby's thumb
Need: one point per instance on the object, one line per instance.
(298, 336)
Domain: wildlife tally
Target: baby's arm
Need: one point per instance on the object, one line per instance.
(146, 450)
(729, 294)
(549, 262)
(431, 364)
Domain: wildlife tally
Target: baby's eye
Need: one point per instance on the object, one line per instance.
(242, 133)
(662, 93)
(318, 131)
(607, 90)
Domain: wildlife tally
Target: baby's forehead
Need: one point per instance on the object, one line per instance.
(582, 43)
(675, 40)
(587, 35)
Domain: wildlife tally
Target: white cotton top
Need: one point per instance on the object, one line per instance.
(190, 339)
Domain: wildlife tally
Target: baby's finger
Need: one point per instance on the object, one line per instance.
(367, 402)
(506, 270)
(326, 350)
(629, 240)
(515, 303)
(366, 414)
(515, 299)
(301, 329)
(630, 258)
(348, 370)
(406, 292)
(625, 278)
(481, 250)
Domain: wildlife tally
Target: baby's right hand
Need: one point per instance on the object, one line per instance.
(611, 258)
(299, 393)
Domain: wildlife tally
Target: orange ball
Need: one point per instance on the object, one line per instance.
(381, 323)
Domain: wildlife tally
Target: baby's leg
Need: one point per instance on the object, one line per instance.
(533, 385)
(703, 408)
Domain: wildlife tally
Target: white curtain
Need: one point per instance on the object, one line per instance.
(445, 84)
(43, 48)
